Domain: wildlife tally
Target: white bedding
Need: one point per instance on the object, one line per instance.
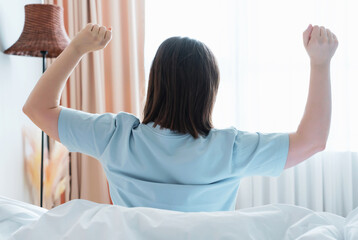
(81, 219)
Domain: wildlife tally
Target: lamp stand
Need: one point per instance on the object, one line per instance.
(41, 38)
(44, 53)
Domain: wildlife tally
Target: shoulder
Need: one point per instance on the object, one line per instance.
(230, 131)
(236, 136)
(126, 120)
(226, 134)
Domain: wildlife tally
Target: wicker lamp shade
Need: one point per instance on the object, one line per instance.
(43, 31)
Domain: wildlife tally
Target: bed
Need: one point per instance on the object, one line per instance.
(82, 219)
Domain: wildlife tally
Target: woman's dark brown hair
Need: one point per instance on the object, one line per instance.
(182, 88)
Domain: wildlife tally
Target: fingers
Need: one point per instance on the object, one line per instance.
(307, 34)
(105, 34)
(315, 32)
(88, 26)
(326, 35)
(102, 31)
(322, 31)
(329, 35)
(108, 35)
(334, 38)
(95, 28)
(99, 37)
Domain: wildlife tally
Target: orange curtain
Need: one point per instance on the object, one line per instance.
(110, 80)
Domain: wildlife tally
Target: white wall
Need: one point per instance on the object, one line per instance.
(18, 75)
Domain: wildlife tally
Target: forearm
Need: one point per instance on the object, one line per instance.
(47, 92)
(316, 120)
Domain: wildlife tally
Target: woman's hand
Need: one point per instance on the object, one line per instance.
(91, 38)
(320, 44)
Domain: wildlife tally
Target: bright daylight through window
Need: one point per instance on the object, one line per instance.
(263, 63)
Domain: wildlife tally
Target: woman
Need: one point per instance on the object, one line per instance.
(175, 159)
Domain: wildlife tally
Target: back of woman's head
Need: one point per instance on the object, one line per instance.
(182, 88)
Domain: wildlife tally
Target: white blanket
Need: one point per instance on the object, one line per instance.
(81, 219)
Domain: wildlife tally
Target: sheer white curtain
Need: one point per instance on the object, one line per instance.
(264, 85)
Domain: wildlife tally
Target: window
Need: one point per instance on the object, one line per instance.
(263, 64)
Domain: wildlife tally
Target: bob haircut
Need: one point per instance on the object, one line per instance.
(182, 88)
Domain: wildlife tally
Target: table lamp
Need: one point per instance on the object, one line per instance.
(43, 35)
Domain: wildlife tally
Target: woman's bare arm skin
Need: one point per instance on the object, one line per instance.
(312, 133)
(42, 105)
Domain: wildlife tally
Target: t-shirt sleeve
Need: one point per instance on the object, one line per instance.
(263, 154)
(85, 132)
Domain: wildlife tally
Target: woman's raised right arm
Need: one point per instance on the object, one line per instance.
(42, 106)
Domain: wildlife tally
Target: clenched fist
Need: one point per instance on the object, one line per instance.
(320, 44)
(91, 38)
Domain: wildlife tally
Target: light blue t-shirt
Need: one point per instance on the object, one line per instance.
(159, 168)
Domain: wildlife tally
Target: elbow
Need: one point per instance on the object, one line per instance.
(321, 146)
(27, 110)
